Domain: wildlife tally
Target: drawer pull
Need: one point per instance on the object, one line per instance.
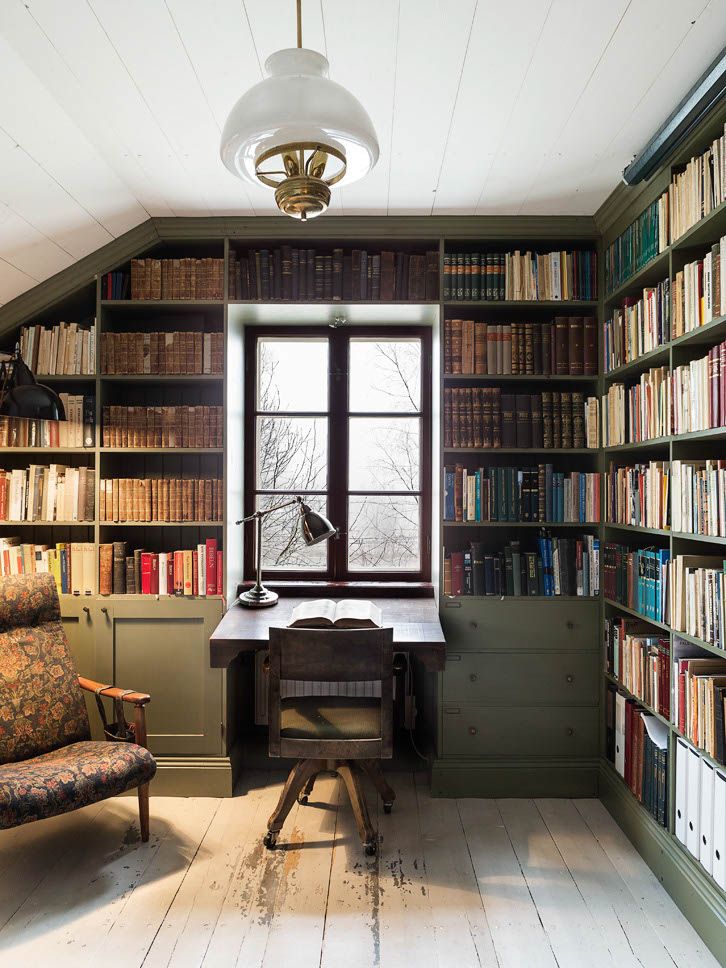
(569, 677)
(452, 711)
(570, 625)
(473, 677)
(453, 658)
(473, 731)
(570, 731)
(452, 604)
(474, 625)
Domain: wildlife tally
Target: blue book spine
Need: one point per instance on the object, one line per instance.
(64, 572)
(583, 515)
(561, 499)
(449, 510)
(477, 486)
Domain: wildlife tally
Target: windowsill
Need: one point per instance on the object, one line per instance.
(351, 589)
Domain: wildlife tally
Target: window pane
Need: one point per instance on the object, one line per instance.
(292, 374)
(385, 374)
(384, 453)
(384, 533)
(292, 453)
(282, 542)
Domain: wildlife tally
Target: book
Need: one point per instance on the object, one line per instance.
(66, 349)
(349, 613)
(499, 276)
(158, 353)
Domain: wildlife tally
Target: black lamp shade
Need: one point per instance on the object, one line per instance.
(315, 527)
(33, 401)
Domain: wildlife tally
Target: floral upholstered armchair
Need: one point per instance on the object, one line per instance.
(48, 763)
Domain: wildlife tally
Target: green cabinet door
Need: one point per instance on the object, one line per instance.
(78, 617)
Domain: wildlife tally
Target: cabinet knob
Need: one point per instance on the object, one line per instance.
(570, 731)
(104, 610)
(570, 625)
(472, 731)
(474, 625)
(569, 677)
(87, 610)
(473, 677)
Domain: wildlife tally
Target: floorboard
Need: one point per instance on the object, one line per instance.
(456, 884)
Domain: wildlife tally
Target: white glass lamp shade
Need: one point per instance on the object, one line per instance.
(297, 102)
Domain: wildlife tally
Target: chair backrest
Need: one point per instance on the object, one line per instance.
(41, 704)
(325, 656)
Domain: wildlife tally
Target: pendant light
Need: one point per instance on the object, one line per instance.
(298, 132)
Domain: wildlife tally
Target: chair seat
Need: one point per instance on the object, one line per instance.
(330, 717)
(70, 777)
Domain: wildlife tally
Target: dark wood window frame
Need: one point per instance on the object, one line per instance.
(337, 485)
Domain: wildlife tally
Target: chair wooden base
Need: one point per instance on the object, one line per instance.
(299, 786)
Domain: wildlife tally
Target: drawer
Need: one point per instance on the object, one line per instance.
(520, 731)
(562, 678)
(520, 624)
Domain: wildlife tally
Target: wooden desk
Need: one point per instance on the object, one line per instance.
(415, 621)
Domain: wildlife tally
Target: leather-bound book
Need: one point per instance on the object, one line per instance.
(375, 286)
(294, 274)
(537, 424)
(562, 344)
(448, 276)
(475, 276)
(337, 292)
(119, 567)
(537, 348)
(467, 276)
(455, 417)
(556, 420)
(566, 410)
(277, 274)
(575, 346)
(578, 419)
(130, 575)
(447, 417)
(516, 327)
(388, 275)
(347, 290)
(467, 346)
(528, 350)
(500, 347)
(477, 567)
(355, 293)
(522, 347)
(496, 417)
(491, 349)
(467, 427)
(137, 568)
(402, 269)
(547, 427)
(310, 274)
(476, 417)
(447, 345)
(431, 289)
(509, 427)
(523, 419)
(480, 348)
(105, 569)
(590, 346)
(487, 417)
(417, 278)
(541, 493)
(328, 278)
(286, 268)
(457, 337)
(506, 340)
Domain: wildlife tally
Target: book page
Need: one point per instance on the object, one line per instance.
(355, 610)
(319, 610)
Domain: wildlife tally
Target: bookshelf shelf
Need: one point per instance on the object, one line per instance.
(49, 450)
(708, 538)
(637, 529)
(463, 451)
(161, 524)
(455, 378)
(643, 812)
(708, 230)
(656, 357)
(702, 335)
(651, 272)
(162, 450)
(523, 303)
(521, 598)
(702, 752)
(160, 303)
(163, 378)
(520, 524)
(706, 646)
(640, 445)
(714, 433)
(641, 702)
(48, 524)
(65, 377)
(632, 611)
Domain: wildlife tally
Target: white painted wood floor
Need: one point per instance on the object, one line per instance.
(462, 883)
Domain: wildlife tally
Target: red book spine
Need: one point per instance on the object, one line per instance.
(722, 384)
(146, 557)
(178, 572)
(220, 573)
(681, 697)
(211, 553)
(154, 577)
(170, 575)
(629, 743)
(195, 572)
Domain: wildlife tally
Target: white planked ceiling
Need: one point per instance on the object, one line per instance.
(111, 110)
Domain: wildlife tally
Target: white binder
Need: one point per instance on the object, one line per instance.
(719, 828)
(706, 819)
(620, 733)
(693, 803)
(681, 784)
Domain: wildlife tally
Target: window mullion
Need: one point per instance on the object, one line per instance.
(338, 452)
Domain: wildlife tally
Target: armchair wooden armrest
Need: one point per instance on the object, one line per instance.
(139, 700)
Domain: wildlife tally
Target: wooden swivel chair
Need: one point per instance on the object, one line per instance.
(347, 735)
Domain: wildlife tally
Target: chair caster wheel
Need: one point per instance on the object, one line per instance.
(387, 807)
(303, 798)
(270, 840)
(370, 849)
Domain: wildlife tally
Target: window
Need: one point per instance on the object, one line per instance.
(341, 417)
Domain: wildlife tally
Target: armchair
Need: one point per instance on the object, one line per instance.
(48, 762)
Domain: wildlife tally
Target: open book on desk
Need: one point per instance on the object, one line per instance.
(323, 613)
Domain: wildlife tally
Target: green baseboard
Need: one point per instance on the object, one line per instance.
(550, 777)
(185, 776)
(695, 893)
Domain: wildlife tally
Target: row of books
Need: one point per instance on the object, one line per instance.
(700, 820)
(498, 276)
(303, 275)
(639, 495)
(186, 278)
(200, 426)
(699, 291)
(566, 346)
(158, 353)
(556, 566)
(639, 412)
(520, 494)
(486, 417)
(638, 579)
(77, 430)
(72, 564)
(638, 326)
(640, 661)
(52, 493)
(641, 241)
(198, 571)
(700, 188)
(66, 349)
(699, 497)
(699, 699)
(637, 746)
(698, 605)
(160, 499)
(699, 392)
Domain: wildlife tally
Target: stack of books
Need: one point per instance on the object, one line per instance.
(638, 579)
(157, 353)
(520, 494)
(199, 426)
(699, 291)
(699, 392)
(639, 495)
(198, 571)
(160, 499)
(640, 412)
(640, 661)
(72, 564)
(641, 241)
(68, 349)
(639, 326)
(47, 493)
(700, 188)
(304, 275)
(699, 497)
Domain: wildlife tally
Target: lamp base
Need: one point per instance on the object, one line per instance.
(258, 598)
